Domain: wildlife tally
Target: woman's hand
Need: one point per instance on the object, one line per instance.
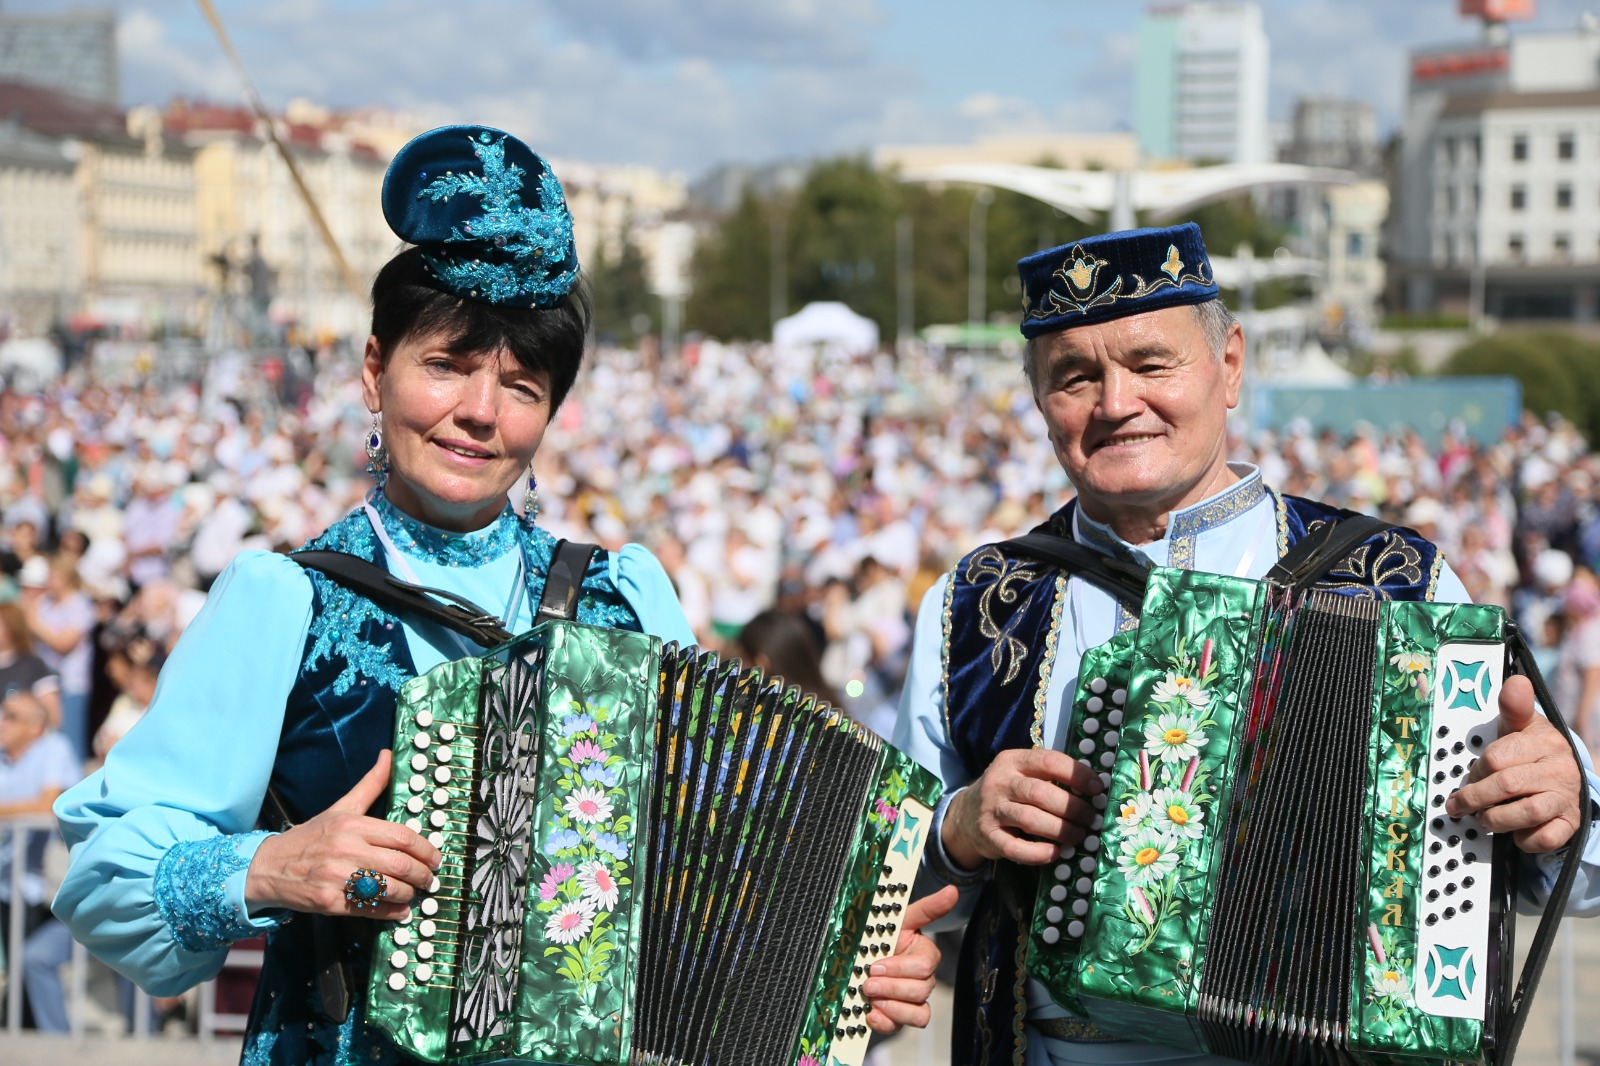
(305, 868)
(899, 986)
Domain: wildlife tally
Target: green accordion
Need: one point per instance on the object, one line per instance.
(650, 856)
(1275, 877)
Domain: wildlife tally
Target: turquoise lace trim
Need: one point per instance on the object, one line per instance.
(335, 629)
(448, 549)
(191, 892)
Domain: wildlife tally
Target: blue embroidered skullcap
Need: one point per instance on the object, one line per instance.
(488, 214)
(1114, 275)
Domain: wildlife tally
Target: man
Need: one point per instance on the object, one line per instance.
(36, 766)
(1134, 363)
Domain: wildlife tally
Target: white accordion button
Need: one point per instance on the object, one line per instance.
(436, 839)
(429, 906)
(419, 762)
(1080, 907)
(1053, 915)
(1086, 746)
(1091, 725)
(418, 782)
(437, 819)
(442, 775)
(1051, 935)
(1114, 718)
(405, 919)
(1098, 685)
(414, 804)
(433, 886)
(399, 960)
(1099, 801)
(397, 981)
(414, 824)
(426, 928)
(442, 753)
(1099, 819)
(1094, 704)
(424, 951)
(1091, 844)
(1084, 886)
(1108, 760)
(1063, 872)
(1067, 851)
(1074, 929)
(422, 740)
(423, 971)
(1119, 697)
(424, 718)
(402, 936)
(1087, 864)
(447, 732)
(440, 797)
(1058, 893)
(1111, 739)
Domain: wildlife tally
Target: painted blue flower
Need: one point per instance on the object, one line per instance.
(595, 773)
(563, 840)
(608, 843)
(574, 724)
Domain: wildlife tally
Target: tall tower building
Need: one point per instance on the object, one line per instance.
(73, 53)
(1201, 84)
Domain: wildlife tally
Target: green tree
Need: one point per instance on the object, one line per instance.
(841, 234)
(1555, 368)
(732, 275)
(624, 306)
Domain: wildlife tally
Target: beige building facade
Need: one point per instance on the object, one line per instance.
(40, 268)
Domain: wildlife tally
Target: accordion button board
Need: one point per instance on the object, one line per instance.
(1277, 878)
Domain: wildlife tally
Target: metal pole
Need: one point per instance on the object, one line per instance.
(907, 323)
(977, 252)
(1569, 1038)
(780, 265)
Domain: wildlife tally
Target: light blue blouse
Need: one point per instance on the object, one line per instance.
(194, 769)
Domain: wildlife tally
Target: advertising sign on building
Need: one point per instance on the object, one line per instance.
(1499, 10)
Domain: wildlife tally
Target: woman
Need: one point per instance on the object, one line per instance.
(22, 670)
(289, 680)
(61, 616)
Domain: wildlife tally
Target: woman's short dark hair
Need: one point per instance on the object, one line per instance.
(790, 648)
(541, 339)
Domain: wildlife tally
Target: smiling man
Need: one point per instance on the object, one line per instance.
(1135, 363)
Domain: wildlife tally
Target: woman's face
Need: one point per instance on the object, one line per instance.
(460, 430)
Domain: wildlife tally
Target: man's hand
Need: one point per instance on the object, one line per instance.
(1526, 783)
(1026, 804)
(899, 986)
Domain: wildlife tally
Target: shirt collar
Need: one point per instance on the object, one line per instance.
(445, 547)
(1208, 514)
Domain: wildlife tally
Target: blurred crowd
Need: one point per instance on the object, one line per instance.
(801, 501)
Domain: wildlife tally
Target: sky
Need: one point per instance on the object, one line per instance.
(684, 85)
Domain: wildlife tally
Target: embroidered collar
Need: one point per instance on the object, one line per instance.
(422, 541)
(1190, 522)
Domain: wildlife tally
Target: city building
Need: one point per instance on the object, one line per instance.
(40, 269)
(1200, 89)
(135, 225)
(1498, 189)
(74, 53)
(1069, 151)
(1331, 132)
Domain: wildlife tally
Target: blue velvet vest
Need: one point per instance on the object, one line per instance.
(1002, 619)
(340, 715)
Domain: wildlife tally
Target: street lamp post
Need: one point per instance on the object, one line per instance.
(977, 253)
(904, 290)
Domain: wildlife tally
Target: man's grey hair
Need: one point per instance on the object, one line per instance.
(1216, 322)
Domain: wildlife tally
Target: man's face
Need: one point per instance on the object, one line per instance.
(22, 721)
(1137, 409)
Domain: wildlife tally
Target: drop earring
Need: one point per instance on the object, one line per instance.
(530, 499)
(377, 455)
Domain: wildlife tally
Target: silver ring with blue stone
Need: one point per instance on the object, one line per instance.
(365, 888)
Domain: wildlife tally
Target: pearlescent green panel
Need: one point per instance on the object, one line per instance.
(1388, 1026)
(581, 937)
(1141, 963)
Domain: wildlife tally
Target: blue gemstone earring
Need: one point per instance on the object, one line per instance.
(377, 455)
(530, 499)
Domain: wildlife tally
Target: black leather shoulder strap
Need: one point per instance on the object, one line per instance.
(1123, 578)
(1319, 552)
(564, 581)
(383, 588)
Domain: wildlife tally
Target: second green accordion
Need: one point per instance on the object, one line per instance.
(650, 856)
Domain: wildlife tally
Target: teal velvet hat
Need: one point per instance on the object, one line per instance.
(1112, 276)
(487, 213)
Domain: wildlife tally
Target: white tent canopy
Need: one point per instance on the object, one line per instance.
(826, 323)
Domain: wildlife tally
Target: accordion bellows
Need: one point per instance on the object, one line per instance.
(650, 856)
(1276, 879)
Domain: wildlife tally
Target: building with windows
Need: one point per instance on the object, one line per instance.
(40, 271)
(1200, 91)
(74, 53)
(1498, 189)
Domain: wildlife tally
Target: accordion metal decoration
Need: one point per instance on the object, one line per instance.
(650, 857)
(1275, 877)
